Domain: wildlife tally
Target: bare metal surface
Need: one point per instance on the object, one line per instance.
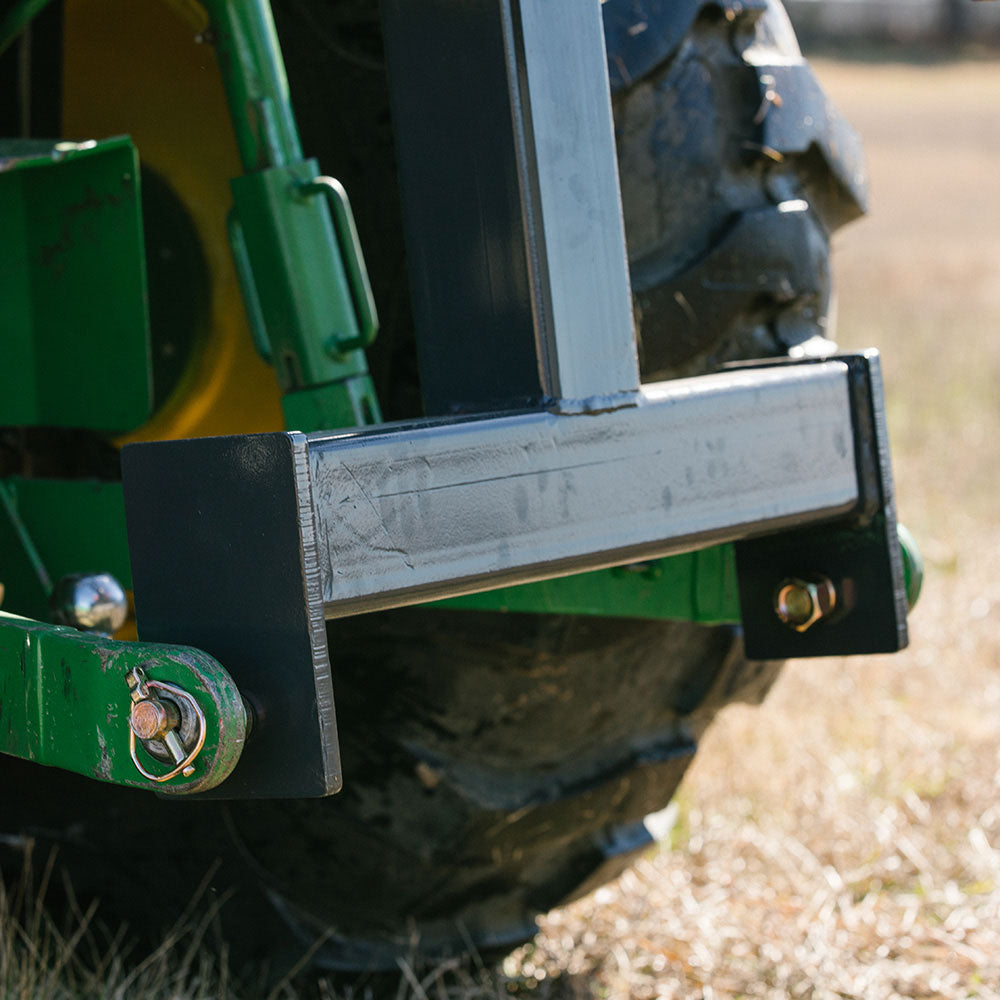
(91, 602)
(434, 510)
(568, 172)
(312, 584)
(150, 720)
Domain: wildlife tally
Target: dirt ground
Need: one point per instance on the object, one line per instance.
(844, 840)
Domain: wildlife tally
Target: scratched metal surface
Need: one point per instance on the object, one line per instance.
(565, 148)
(426, 512)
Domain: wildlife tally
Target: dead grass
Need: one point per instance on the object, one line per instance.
(79, 958)
(843, 840)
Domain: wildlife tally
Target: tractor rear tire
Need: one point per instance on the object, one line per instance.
(498, 765)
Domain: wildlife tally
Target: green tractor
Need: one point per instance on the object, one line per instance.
(598, 474)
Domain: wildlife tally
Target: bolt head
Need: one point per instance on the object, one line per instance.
(149, 720)
(92, 602)
(801, 603)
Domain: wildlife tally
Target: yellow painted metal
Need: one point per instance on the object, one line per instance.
(136, 68)
(192, 11)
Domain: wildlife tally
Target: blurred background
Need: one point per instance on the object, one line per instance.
(954, 22)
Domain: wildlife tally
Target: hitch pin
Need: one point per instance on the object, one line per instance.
(153, 719)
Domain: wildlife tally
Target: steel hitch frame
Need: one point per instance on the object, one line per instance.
(241, 546)
(563, 461)
(543, 460)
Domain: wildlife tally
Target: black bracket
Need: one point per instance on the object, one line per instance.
(860, 555)
(223, 551)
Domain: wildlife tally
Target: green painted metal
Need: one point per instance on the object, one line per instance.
(695, 586)
(65, 702)
(292, 234)
(913, 565)
(73, 285)
(350, 403)
(52, 527)
(25, 580)
(253, 73)
(17, 18)
(293, 259)
(78, 525)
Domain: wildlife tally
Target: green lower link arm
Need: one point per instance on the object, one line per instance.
(77, 701)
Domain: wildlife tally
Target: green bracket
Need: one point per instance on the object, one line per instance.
(73, 286)
(288, 258)
(293, 237)
(25, 579)
(65, 702)
(695, 586)
(50, 528)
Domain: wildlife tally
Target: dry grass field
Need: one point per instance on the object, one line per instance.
(843, 840)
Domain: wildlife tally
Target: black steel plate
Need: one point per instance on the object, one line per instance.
(861, 555)
(222, 544)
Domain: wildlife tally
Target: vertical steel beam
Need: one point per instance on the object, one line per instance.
(564, 136)
(502, 116)
(462, 218)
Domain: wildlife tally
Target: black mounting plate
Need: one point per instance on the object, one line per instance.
(223, 552)
(860, 555)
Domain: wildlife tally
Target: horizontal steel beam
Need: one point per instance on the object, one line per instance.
(438, 509)
(240, 546)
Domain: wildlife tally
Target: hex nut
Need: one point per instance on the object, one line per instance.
(800, 603)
